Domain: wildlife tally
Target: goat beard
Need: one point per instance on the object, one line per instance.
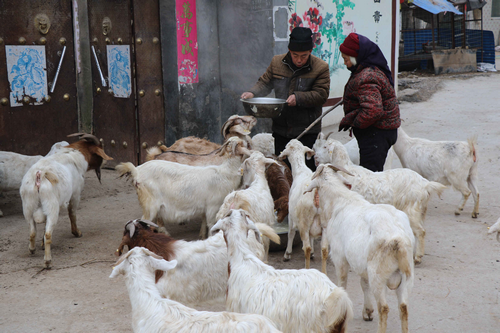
(98, 173)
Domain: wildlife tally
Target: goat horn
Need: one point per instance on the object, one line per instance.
(225, 128)
(130, 226)
(328, 135)
(148, 222)
(335, 168)
(86, 137)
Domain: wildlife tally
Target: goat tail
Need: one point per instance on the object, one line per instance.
(269, 232)
(338, 310)
(401, 256)
(128, 170)
(472, 143)
(435, 187)
(153, 152)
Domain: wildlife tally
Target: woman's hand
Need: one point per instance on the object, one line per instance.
(247, 95)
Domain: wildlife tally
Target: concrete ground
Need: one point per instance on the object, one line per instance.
(457, 286)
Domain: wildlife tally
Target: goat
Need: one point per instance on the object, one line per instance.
(495, 228)
(200, 278)
(403, 188)
(263, 142)
(239, 126)
(55, 182)
(255, 197)
(352, 149)
(375, 241)
(447, 162)
(193, 192)
(13, 167)
(279, 178)
(153, 313)
(295, 300)
(303, 214)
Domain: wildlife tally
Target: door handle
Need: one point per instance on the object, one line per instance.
(103, 81)
(58, 70)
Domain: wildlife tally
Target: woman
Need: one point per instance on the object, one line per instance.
(370, 105)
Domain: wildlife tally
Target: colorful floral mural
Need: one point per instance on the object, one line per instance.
(329, 29)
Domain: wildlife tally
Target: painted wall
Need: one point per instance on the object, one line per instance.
(236, 41)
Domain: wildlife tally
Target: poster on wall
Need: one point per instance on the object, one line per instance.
(187, 41)
(332, 20)
(27, 74)
(119, 73)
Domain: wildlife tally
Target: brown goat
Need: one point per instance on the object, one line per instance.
(143, 236)
(279, 184)
(235, 126)
(92, 150)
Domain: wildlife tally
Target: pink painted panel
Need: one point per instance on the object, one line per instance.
(187, 41)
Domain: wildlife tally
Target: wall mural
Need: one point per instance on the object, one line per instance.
(27, 74)
(332, 20)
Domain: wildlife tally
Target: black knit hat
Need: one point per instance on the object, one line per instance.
(300, 39)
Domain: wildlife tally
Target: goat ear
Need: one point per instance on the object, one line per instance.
(310, 153)
(216, 228)
(318, 171)
(119, 266)
(162, 264)
(101, 153)
(336, 168)
(251, 226)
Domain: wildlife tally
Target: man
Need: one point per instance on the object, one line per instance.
(303, 80)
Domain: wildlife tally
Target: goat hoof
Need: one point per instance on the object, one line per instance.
(474, 215)
(32, 251)
(457, 213)
(417, 260)
(78, 233)
(287, 257)
(367, 315)
(47, 264)
(312, 256)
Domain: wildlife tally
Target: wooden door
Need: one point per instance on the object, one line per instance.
(114, 118)
(127, 125)
(34, 113)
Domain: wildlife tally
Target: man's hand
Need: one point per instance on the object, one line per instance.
(291, 100)
(247, 95)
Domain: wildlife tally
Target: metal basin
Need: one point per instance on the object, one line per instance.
(264, 107)
(282, 230)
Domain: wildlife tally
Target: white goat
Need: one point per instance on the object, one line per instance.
(200, 278)
(403, 188)
(303, 213)
(254, 197)
(352, 149)
(263, 142)
(152, 313)
(295, 300)
(55, 182)
(375, 241)
(495, 228)
(13, 167)
(171, 192)
(447, 162)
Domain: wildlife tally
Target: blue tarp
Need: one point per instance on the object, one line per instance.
(436, 6)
